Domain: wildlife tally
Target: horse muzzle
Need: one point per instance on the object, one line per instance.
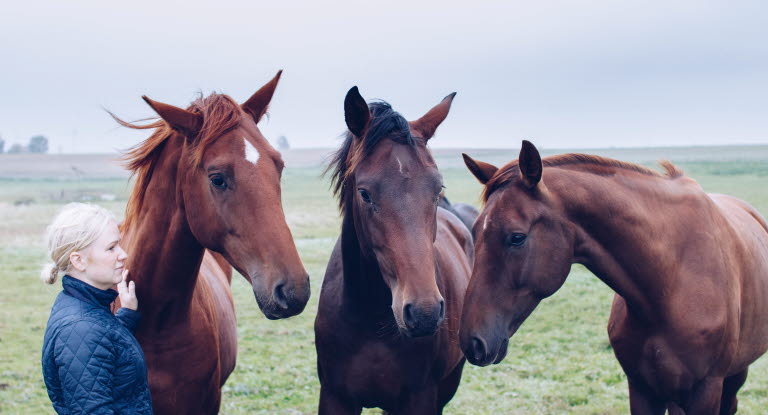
(285, 300)
(423, 320)
(480, 353)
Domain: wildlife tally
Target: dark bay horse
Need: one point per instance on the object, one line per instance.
(206, 195)
(690, 271)
(467, 213)
(387, 324)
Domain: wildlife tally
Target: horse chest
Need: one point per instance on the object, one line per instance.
(375, 371)
(380, 373)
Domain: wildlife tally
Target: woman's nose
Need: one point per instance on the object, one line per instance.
(122, 255)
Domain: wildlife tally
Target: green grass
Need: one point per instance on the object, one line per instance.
(559, 362)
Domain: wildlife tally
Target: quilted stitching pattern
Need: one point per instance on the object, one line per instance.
(91, 362)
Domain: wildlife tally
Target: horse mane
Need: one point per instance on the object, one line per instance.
(385, 123)
(220, 114)
(511, 171)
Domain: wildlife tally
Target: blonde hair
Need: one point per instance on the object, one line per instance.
(75, 228)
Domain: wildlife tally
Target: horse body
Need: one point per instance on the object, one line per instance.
(690, 272)
(684, 318)
(387, 322)
(206, 199)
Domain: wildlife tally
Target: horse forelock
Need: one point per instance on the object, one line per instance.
(385, 123)
(220, 114)
(594, 164)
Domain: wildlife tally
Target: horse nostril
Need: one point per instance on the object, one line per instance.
(478, 349)
(408, 316)
(441, 314)
(279, 296)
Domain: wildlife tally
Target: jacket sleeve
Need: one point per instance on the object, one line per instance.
(128, 318)
(85, 358)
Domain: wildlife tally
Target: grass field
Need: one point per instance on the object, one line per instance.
(560, 361)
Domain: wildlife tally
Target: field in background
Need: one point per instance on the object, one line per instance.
(560, 362)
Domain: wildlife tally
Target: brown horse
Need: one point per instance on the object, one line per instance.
(207, 194)
(386, 330)
(690, 271)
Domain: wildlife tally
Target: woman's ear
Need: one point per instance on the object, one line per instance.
(77, 260)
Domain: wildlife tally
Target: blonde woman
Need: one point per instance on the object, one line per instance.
(92, 364)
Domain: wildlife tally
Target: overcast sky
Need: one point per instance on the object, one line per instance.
(559, 73)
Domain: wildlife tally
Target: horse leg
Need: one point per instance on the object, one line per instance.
(421, 402)
(643, 402)
(705, 397)
(333, 404)
(447, 388)
(731, 386)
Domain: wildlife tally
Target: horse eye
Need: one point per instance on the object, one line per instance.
(516, 239)
(439, 193)
(365, 196)
(218, 181)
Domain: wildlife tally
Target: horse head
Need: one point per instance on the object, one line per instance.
(523, 253)
(390, 187)
(228, 182)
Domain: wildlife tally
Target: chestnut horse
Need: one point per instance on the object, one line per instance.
(387, 324)
(690, 271)
(207, 194)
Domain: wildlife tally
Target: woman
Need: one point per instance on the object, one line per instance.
(92, 364)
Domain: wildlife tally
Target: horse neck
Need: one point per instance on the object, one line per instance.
(365, 295)
(629, 233)
(164, 256)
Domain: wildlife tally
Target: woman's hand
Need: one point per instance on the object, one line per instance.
(127, 293)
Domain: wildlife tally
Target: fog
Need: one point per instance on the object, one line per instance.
(563, 74)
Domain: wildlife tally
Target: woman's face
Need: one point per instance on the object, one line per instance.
(105, 259)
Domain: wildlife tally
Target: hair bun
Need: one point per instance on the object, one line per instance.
(49, 273)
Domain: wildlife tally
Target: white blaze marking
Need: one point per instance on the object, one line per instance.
(485, 222)
(399, 164)
(251, 154)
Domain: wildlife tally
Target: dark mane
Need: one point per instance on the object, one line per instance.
(385, 123)
(220, 114)
(600, 165)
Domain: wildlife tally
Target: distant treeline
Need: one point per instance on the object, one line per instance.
(37, 144)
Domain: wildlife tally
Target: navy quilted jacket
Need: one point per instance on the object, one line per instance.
(92, 364)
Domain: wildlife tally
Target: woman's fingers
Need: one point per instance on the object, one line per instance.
(127, 290)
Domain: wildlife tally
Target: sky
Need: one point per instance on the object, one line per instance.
(563, 74)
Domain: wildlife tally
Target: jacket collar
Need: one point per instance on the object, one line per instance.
(88, 293)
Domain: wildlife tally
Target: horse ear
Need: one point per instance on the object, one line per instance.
(356, 112)
(482, 171)
(427, 125)
(258, 102)
(530, 164)
(186, 121)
